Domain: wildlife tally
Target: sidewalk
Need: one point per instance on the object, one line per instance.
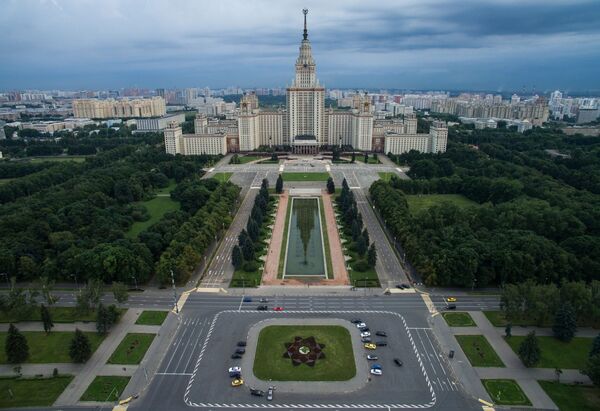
(60, 327)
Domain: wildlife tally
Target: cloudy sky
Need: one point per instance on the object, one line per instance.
(408, 44)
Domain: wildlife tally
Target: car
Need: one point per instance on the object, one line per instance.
(277, 308)
(238, 382)
(451, 299)
(356, 321)
(451, 307)
(240, 351)
(264, 300)
(364, 329)
(235, 356)
(247, 299)
(398, 362)
(235, 375)
(381, 343)
(365, 334)
(365, 339)
(381, 333)
(405, 285)
(372, 357)
(361, 325)
(241, 343)
(370, 346)
(400, 286)
(262, 308)
(375, 371)
(270, 394)
(235, 369)
(257, 393)
(376, 366)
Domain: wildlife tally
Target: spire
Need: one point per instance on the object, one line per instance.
(305, 12)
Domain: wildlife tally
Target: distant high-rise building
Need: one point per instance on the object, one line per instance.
(93, 108)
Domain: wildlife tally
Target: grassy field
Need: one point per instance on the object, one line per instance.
(32, 392)
(152, 317)
(479, 351)
(558, 354)
(506, 392)
(361, 159)
(572, 397)
(167, 189)
(59, 315)
(105, 389)
(386, 176)
(305, 176)
(222, 177)
(247, 159)
(498, 319)
(50, 348)
(337, 365)
(420, 202)
(132, 349)
(326, 240)
(157, 207)
(459, 319)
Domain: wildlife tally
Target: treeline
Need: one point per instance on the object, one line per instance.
(185, 250)
(76, 229)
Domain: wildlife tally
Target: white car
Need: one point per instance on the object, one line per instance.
(361, 325)
(376, 371)
(372, 357)
(235, 369)
(365, 334)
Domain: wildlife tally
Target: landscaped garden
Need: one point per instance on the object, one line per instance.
(479, 351)
(506, 392)
(319, 176)
(132, 349)
(304, 353)
(386, 175)
(157, 208)
(105, 388)
(31, 392)
(222, 177)
(152, 317)
(570, 397)
(556, 353)
(459, 319)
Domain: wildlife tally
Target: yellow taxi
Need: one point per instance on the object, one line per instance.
(237, 382)
(451, 299)
(370, 346)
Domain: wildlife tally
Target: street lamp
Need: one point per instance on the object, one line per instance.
(174, 293)
(135, 282)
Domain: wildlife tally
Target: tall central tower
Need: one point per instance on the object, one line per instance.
(305, 102)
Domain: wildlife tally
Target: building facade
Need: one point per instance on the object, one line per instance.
(149, 125)
(111, 108)
(305, 125)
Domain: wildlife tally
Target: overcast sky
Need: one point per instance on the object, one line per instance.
(408, 44)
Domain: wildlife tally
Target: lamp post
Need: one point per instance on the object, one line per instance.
(134, 282)
(174, 293)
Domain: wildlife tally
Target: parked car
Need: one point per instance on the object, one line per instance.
(376, 367)
(241, 343)
(370, 346)
(398, 362)
(375, 371)
(270, 394)
(364, 329)
(361, 325)
(262, 308)
(400, 286)
(365, 334)
(235, 372)
(237, 382)
(365, 339)
(381, 333)
(247, 299)
(236, 356)
(381, 343)
(371, 357)
(235, 375)
(257, 393)
(277, 308)
(240, 351)
(451, 299)
(235, 369)
(264, 300)
(451, 307)
(405, 285)
(356, 321)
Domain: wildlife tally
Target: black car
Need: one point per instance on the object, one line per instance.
(405, 285)
(365, 339)
(381, 343)
(241, 343)
(381, 333)
(356, 321)
(451, 307)
(364, 329)
(235, 375)
(398, 362)
(400, 286)
(236, 356)
(240, 351)
(257, 393)
(262, 308)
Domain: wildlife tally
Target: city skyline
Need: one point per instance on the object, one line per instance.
(499, 45)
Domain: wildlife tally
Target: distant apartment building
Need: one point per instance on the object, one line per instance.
(536, 111)
(150, 125)
(587, 115)
(110, 108)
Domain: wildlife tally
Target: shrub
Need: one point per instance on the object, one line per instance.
(250, 266)
(361, 266)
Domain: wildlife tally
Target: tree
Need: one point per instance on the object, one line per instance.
(366, 158)
(595, 346)
(46, 286)
(119, 291)
(279, 185)
(102, 320)
(529, 350)
(248, 250)
(253, 230)
(80, 349)
(565, 324)
(274, 157)
(361, 246)
(236, 257)
(15, 346)
(508, 330)
(46, 318)
(330, 186)
(372, 255)
(365, 234)
(355, 229)
(353, 157)
(592, 369)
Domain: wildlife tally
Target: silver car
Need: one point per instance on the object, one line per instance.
(270, 393)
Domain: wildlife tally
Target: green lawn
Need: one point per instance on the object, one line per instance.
(337, 365)
(59, 315)
(50, 348)
(506, 392)
(386, 176)
(167, 189)
(132, 349)
(572, 397)
(479, 351)
(459, 319)
(558, 354)
(222, 177)
(366, 278)
(247, 159)
(420, 202)
(152, 317)
(105, 389)
(32, 392)
(323, 176)
(498, 319)
(157, 208)
(361, 159)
